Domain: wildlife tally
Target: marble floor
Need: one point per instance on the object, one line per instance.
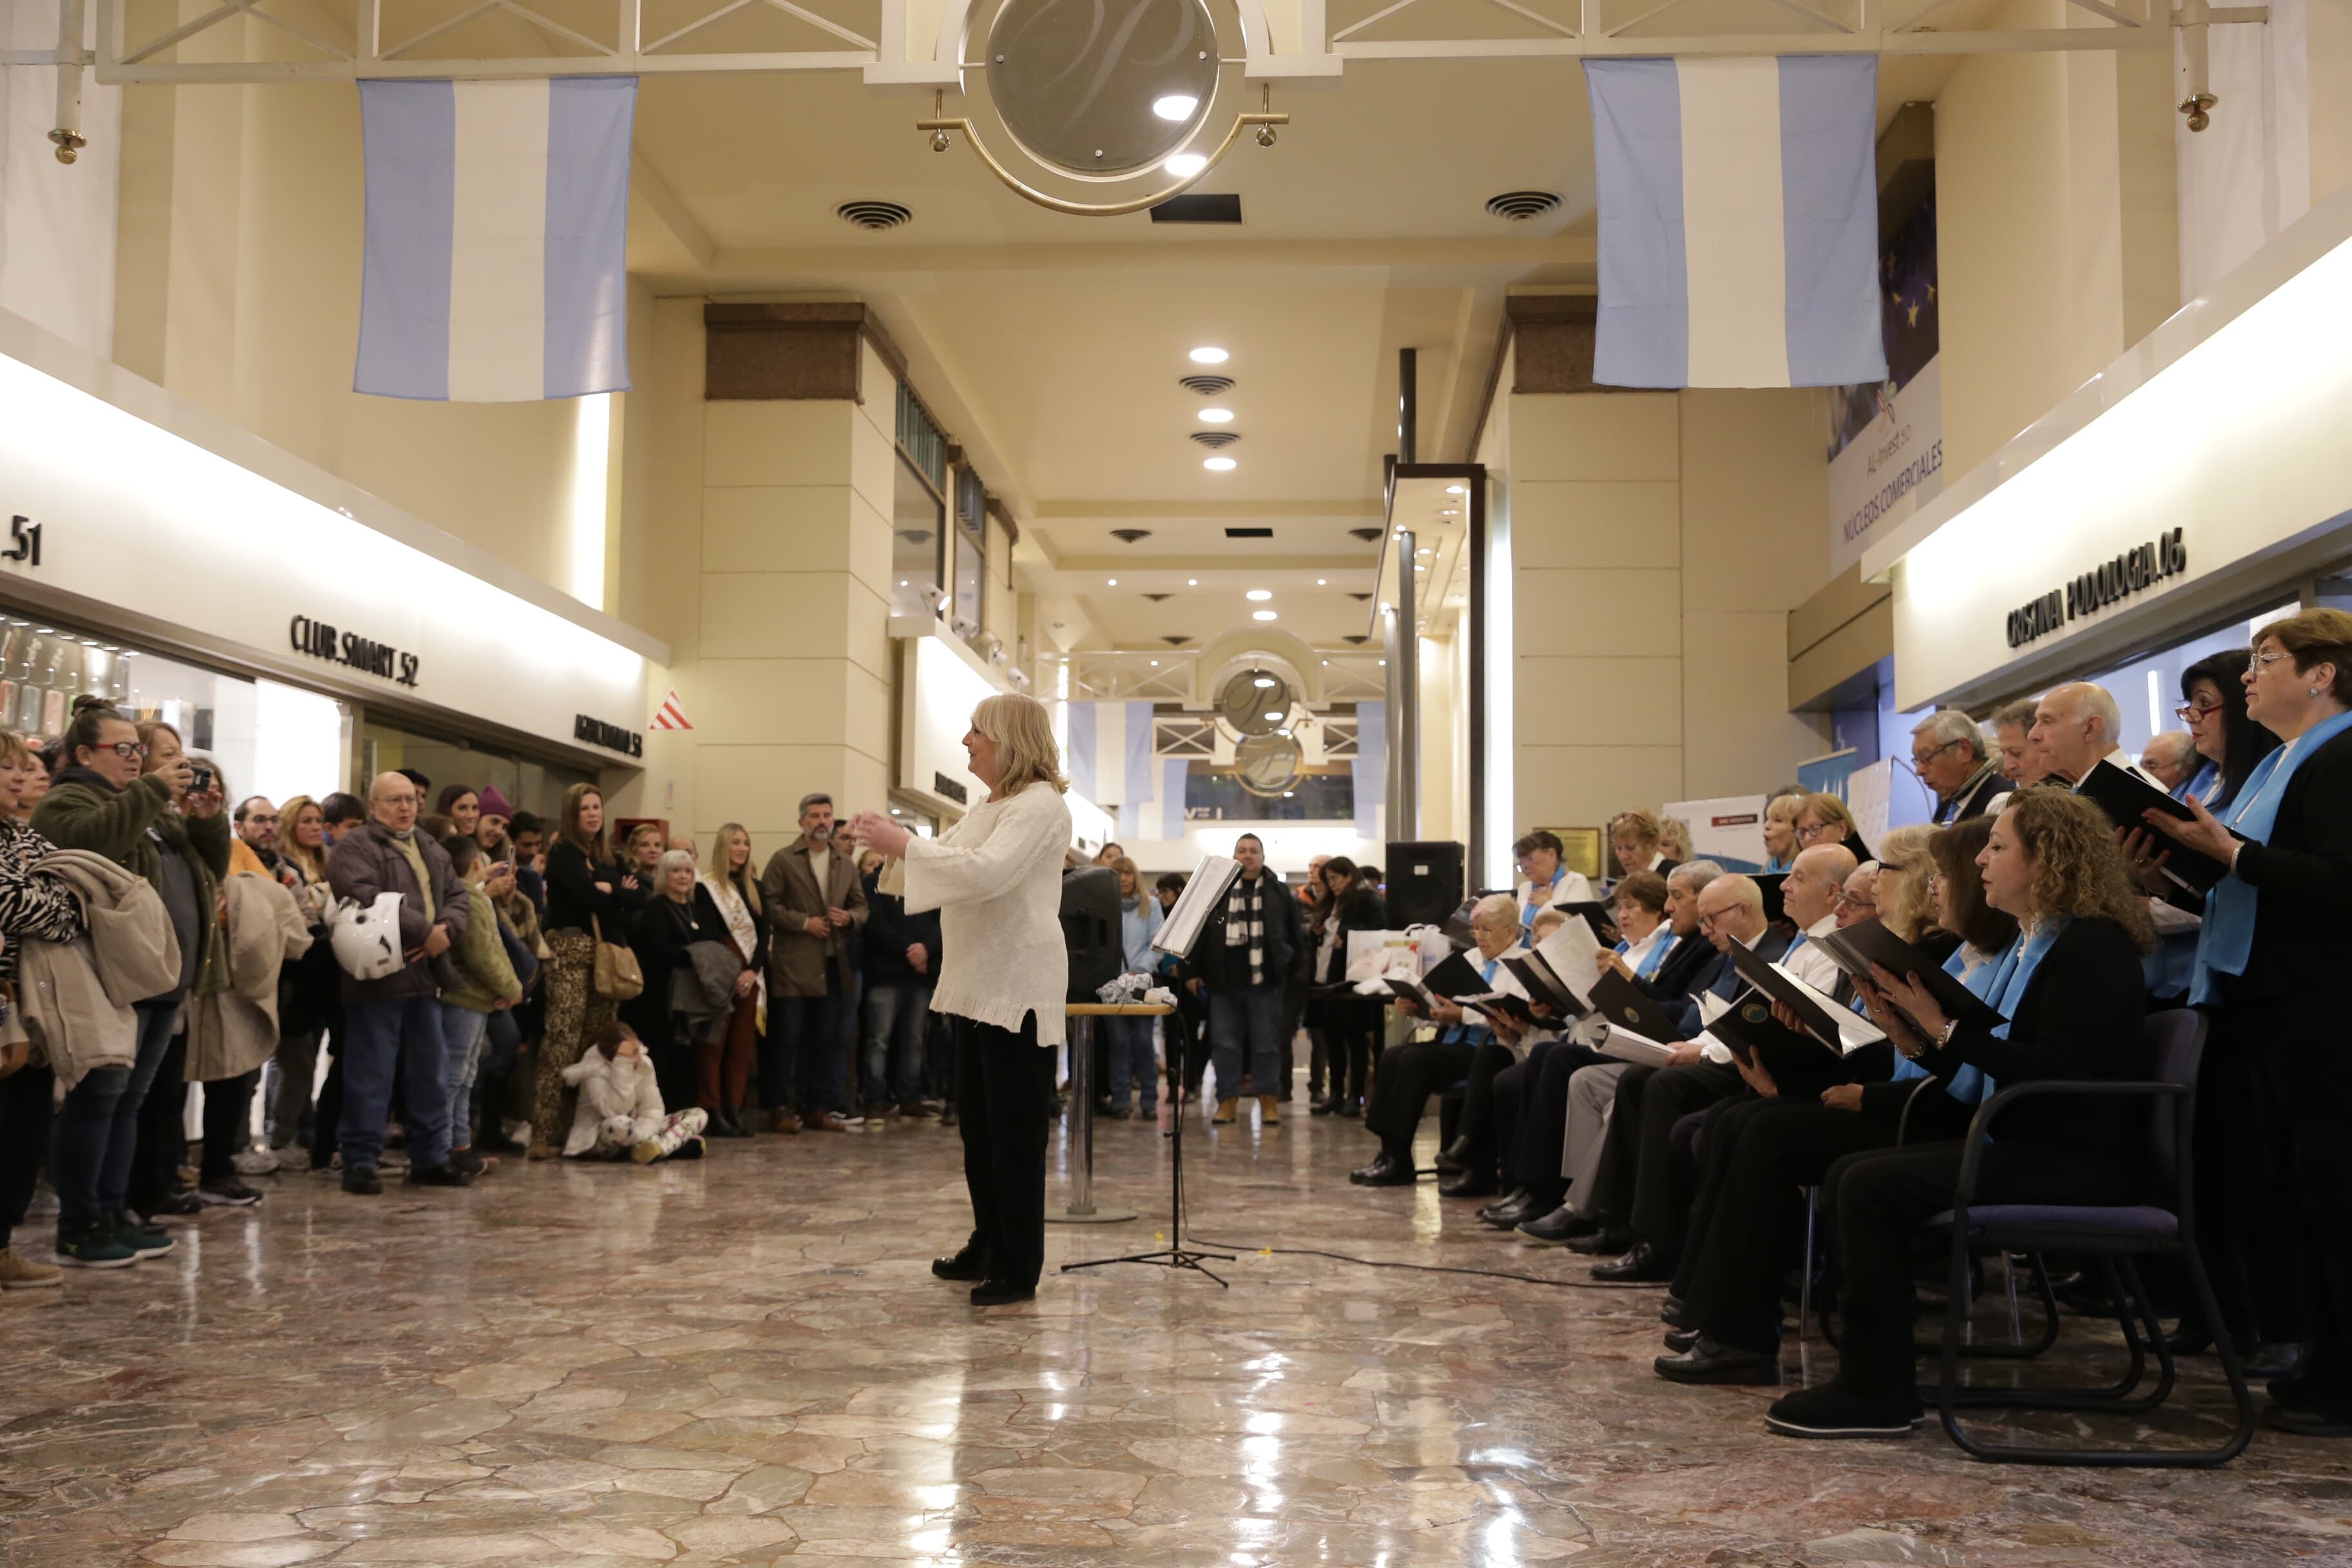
(746, 1361)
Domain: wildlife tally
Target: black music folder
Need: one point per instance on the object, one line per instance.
(2125, 797)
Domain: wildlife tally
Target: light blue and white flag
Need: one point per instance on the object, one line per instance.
(1163, 818)
(1738, 213)
(1370, 768)
(1110, 752)
(496, 266)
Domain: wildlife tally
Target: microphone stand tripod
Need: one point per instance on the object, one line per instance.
(1176, 1255)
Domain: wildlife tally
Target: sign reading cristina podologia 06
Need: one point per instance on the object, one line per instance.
(2132, 572)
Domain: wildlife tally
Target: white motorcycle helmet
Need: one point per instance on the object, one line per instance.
(367, 940)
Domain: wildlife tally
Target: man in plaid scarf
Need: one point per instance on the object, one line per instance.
(1243, 957)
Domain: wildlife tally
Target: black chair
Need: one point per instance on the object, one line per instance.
(2116, 1235)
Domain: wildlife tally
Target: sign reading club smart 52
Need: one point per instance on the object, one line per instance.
(2133, 571)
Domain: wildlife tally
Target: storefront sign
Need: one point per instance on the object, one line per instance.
(321, 640)
(2132, 572)
(23, 540)
(612, 737)
(1886, 440)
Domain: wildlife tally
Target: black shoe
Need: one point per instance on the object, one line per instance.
(962, 1263)
(466, 1161)
(1830, 1411)
(916, 1110)
(1645, 1265)
(2189, 1339)
(998, 1293)
(1674, 1313)
(1707, 1361)
(1453, 1158)
(1470, 1185)
(361, 1181)
(948, 1118)
(2310, 1421)
(1321, 1107)
(1388, 1171)
(178, 1201)
(2278, 1361)
(1680, 1340)
(1516, 1196)
(1605, 1241)
(1561, 1227)
(226, 1192)
(1120, 1112)
(442, 1175)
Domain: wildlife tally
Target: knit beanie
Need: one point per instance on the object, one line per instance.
(493, 803)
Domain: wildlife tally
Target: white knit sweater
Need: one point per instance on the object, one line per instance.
(996, 880)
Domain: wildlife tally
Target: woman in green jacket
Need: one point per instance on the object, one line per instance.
(106, 800)
(486, 983)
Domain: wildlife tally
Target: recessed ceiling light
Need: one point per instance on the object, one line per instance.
(1155, 664)
(1216, 415)
(1184, 165)
(1175, 106)
(1384, 663)
(1320, 583)
(1424, 550)
(1456, 491)
(1191, 582)
(1259, 595)
(1209, 356)
(902, 582)
(1113, 581)
(1218, 465)
(1261, 614)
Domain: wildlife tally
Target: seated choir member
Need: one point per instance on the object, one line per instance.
(1528, 1143)
(1548, 881)
(2275, 929)
(1470, 1164)
(1639, 843)
(1758, 1155)
(1412, 1073)
(2074, 1000)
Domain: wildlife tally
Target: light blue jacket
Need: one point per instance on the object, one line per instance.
(1138, 923)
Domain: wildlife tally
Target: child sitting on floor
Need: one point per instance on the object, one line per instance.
(620, 1111)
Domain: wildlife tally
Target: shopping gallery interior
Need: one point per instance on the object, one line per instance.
(563, 552)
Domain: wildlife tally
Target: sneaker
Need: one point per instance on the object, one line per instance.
(467, 1161)
(227, 1192)
(361, 1181)
(256, 1162)
(646, 1151)
(178, 1201)
(21, 1273)
(692, 1149)
(143, 1240)
(93, 1245)
(437, 1177)
(1829, 1410)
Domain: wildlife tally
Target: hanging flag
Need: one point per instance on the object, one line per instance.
(1110, 752)
(1738, 217)
(495, 267)
(671, 714)
(1370, 771)
(1164, 818)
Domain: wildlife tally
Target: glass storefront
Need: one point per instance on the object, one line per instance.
(532, 786)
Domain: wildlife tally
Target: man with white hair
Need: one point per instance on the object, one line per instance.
(2172, 760)
(1950, 755)
(2076, 727)
(1409, 1074)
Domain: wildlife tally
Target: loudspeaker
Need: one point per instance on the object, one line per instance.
(1092, 929)
(1425, 882)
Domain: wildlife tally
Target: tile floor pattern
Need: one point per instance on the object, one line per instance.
(747, 1361)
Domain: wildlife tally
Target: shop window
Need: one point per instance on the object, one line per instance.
(1216, 795)
(531, 785)
(917, 545)
(920, 440)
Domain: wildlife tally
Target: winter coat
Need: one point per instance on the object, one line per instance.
(486, 976)
(798, 962)
(77, 995)
(33, 908)
(135, 827)
(1140, 921)
(890, 931)
(1224, 967)
(370, 862)
(609, 1088)
(664, 935)
(232, 1032)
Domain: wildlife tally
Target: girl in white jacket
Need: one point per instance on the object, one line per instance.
(620, 1111)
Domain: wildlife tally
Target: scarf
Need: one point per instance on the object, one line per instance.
(1529, 910)
(1661, 942)
(1966, 1084)
(2203, 784)
(2226, 940)
(1245, 924)
(405, 839)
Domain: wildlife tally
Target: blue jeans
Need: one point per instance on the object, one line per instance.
(805, 1050)
(895, 1016)
(399, 1035)
(1132, 1056)
(96, 1133)
(462, 1032)
(1246, 1021)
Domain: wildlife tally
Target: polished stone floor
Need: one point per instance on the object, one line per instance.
(746, 1360)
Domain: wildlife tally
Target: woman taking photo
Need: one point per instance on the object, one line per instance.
(587, 894)
(996, 880)
(2276, 930)
(729, 900)
(2071, 995)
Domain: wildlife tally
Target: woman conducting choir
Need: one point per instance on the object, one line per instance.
(996, 880)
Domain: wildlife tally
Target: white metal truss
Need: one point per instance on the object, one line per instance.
(1345, 676)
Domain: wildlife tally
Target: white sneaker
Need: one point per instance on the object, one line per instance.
(256, 1162)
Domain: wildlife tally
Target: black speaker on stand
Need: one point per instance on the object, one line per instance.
(1424, 881)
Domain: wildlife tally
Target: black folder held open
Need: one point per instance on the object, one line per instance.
(2126, 797)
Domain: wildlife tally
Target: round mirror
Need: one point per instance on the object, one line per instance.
(1254, 702)
(1267, 765)
(1102, 87)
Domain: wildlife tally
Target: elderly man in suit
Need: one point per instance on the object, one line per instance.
(817, 909)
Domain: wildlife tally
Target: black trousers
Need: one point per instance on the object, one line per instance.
(24, 1097)
(163, 1131)
(1351, 1027)
(1478, 1119)
(2254, 1246)
(2306, 1105)
(1294, 1009)
(228, 1106)
(1409, 1076)
(1004, 1086)
(1876, 1200)
(1639, 1181)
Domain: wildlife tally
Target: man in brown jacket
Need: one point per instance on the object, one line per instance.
(817, 907)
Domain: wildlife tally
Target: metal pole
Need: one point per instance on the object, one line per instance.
(66, 135)
(1408, 404)
(1081, 1209)
(1405, 671)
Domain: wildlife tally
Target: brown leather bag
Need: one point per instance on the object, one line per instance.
(618, 976)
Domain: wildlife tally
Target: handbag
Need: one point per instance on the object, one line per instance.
(618, 976)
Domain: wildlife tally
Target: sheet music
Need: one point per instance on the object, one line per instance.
(1202, 898)
(1574, 955)
(1626, 1045)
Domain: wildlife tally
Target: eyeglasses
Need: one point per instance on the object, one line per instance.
(1815, 831)
(128, 751)
(1921, 759)
(1853, 901)
(2195, 710)
(2257, 664)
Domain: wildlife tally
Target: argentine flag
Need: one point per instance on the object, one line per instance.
(1110, 752)
(495, 266)
(1738, 215)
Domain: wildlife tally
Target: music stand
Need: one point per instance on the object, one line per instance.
(1204, 894)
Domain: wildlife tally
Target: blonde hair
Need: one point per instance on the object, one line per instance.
(1638, 825)
(747, 881)
(313, 866)
(1023, 734)
(14, 752)
(1673, 837)
(1905, 865)
(1786, 807)
(1832, 811)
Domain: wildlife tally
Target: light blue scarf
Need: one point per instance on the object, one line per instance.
(1529, 910)
(2227, 940)
(1667, 941)
(1774, 866)
(1965, 1085)
(2200, 785)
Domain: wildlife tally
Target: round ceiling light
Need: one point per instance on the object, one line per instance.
(1205, 355)
(1177, 106)
(1262, 614)
(1219, 465)
(1184, 165)
(1263, 682)
(1259, 595)
(1456, 491)
(1216, 415)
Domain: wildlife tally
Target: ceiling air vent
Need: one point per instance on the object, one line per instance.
(1129, 535)
(1216, 440)
(1366, 534)
(1206, 385)
(878, 214)
(1249, 534)
(1517, 206)
(1175, 642)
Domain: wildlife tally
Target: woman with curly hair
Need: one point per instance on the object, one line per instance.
(2071, 992)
